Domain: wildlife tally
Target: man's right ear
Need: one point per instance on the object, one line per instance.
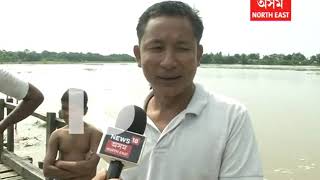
(136, 51)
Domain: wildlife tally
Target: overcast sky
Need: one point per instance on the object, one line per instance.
(105, 27)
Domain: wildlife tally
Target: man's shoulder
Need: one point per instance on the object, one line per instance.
(218, 100)
(224, 111)
(227, 100)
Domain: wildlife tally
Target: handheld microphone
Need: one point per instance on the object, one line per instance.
(122, 146)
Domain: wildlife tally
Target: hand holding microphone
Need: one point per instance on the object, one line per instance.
(122, 146)
(102, 175)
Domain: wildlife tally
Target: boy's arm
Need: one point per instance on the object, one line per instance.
(49, 168)
(86, 166)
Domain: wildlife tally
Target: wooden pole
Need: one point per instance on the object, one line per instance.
(51, 125)
(10, 131)
(1, 118)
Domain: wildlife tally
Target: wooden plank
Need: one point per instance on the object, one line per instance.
(26, 170)
(15, 178)
(8, 174)
(35, 114)
(10, 106)
(39, 116)
(60, 123)
(4, 168)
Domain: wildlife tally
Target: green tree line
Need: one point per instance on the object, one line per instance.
(254, 58)
(47, 56)
(209, 58)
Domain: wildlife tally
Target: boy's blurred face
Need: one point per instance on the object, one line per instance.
(64, 112)
(67, 108)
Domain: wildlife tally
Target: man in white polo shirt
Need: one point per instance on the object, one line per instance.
(30, 95)
(191, 134)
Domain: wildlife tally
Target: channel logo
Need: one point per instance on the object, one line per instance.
(270, 10)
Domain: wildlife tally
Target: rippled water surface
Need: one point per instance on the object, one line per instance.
(283, 101)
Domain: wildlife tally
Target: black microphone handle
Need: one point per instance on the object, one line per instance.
(114, 170)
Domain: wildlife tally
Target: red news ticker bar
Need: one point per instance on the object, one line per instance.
(270, 10)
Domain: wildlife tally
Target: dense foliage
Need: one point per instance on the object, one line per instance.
(46, 56)
(254, 58)
(217, 58)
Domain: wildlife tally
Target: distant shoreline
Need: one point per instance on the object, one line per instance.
(47, 57)
(67, 62)
(222, 66)
(268, 67)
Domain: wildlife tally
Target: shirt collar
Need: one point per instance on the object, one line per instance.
(198, 101)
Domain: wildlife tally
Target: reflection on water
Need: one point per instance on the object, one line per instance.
(283, 102)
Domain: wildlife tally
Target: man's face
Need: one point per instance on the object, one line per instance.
(169, 54)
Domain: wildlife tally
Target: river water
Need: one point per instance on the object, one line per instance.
(283, 101)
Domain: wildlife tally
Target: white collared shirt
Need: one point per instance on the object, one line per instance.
(12, 86)
(212, 139)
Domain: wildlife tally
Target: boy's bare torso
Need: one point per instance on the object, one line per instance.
(75, 147)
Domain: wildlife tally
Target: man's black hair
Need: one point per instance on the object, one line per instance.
(171, 8)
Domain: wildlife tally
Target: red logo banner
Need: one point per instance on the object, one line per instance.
(118, 149)
(270, 10)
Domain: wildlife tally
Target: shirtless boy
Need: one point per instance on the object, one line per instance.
(76, 159)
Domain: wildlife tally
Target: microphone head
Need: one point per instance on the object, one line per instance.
(125, 142)
(132, 118)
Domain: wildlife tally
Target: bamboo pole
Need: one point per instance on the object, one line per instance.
(10, 130)
(51, 125)
(1, 118)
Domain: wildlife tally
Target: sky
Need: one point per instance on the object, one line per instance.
(106, 27)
